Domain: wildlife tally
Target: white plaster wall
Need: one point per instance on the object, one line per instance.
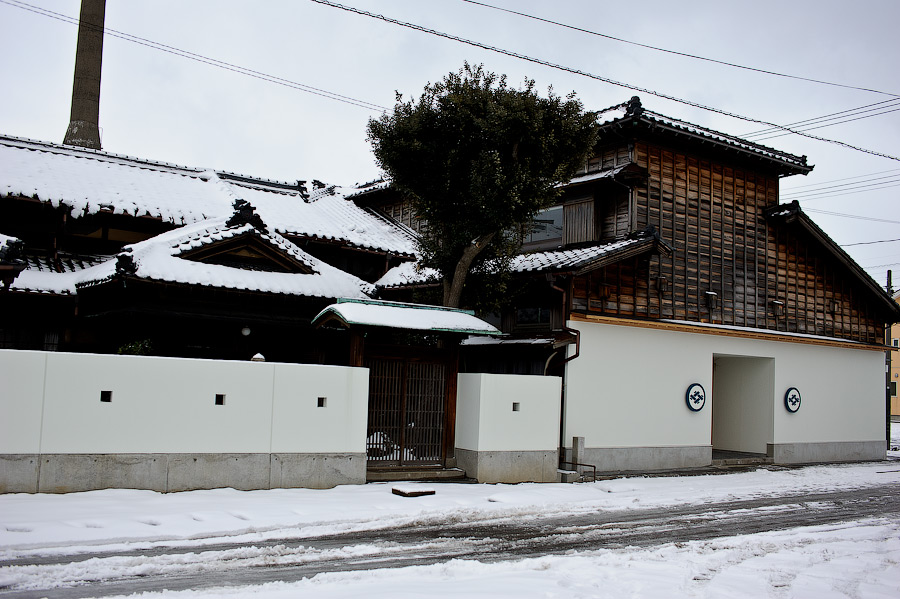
(167, 405)
(485, 420)
(627, 387)
(300, 426)
(842, 392)
(468, 410)
(21, 389)
(742, 403)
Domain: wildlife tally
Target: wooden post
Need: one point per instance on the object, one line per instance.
(357, 347)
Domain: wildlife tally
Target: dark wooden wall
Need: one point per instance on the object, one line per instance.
(713, 215)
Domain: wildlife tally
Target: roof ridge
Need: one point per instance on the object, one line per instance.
(729, 136)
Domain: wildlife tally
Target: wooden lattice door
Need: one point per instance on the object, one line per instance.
(407, 411)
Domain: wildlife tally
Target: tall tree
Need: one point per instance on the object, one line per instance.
(477, 159)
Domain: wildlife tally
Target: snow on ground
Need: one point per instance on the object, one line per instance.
(856, 559)
(37, 523)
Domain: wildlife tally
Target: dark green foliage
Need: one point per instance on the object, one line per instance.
(143, 347)
(476, 158)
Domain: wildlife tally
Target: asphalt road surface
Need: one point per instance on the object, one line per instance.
(485, 539)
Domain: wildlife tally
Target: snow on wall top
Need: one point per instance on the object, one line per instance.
(91, 181)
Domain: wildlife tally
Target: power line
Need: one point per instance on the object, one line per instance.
(202, 59)
(847, 120)
(849, 192)
(828, 117)
(842, 189)
(854, 216)
(675, 52)
(593, 76)
(846, 245)
(893, 170)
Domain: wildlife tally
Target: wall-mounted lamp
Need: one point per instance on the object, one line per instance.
(605, 291)
(245, 331)
(662, 284)
(712, 300)
(777, 307)
(833, 308)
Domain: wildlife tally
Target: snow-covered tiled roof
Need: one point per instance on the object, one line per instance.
(7, 242)
(575, 259)
(597, 175)
(329, 218)
(416, 317)
(408, 274)
(633, 110)
(411, 274)
(370, 187)
(91, 181)
(160, 259)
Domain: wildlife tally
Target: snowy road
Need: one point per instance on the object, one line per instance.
(435, 539)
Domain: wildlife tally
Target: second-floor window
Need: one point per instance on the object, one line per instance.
(546, 230)
(557, 226)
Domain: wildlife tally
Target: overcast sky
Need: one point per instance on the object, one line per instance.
(157, 105)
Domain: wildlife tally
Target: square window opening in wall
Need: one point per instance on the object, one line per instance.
(220, 399)
(106, 396)
(321, 402)
(516, 406)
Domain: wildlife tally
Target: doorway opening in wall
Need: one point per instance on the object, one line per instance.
(409, 397)
(743, 405)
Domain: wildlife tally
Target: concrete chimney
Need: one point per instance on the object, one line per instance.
(84, 128)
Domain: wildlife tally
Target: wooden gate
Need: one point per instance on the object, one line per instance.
(408, 410)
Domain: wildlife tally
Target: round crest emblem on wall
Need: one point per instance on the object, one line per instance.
(695, 397)
(792, 399)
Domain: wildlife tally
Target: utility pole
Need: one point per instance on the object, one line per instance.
(887, 367)
(84, 128)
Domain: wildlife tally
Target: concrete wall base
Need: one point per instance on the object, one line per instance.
(19, 473)
(836, 451)
(622, 459)
(168, 473)
(316, 471)
(509, 466)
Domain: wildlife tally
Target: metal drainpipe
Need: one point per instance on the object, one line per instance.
(562, 390)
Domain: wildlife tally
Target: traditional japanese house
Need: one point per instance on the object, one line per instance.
(677, 281)
(108, 254)
(116, 254)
